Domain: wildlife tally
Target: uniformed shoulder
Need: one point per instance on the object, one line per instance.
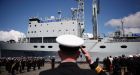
(60, 71)
(48, 72)
(88, 72)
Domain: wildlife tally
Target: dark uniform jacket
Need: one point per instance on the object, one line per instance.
(68, 68)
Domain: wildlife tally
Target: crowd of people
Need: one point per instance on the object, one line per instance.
(122, 65)
(19, 64)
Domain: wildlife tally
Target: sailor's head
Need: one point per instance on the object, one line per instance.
(69, 44)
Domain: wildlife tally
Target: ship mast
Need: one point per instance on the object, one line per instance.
(95, 12)
(122, 22)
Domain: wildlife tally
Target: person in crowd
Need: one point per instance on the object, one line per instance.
(53, 62)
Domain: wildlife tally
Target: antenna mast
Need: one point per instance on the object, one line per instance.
(122, 22)
(59, 13)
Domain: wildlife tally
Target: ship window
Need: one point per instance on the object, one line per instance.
(42, 46)
(102, 46)
(123, 46)
(30, 25)
(82, 4)
(50, 46)
(79, 23)
(40, 31)
(73, 22)
(59, 30)
(66, 30)
(28, 32)
(36, 40)
(35, 25)
(61, 23)
(49, 39)
(81, 9)
(35, 46)
(73, 29)
(34, 31)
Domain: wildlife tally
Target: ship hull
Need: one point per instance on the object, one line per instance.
(96, 49)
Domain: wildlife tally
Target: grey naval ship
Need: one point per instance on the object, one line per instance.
(41, 35)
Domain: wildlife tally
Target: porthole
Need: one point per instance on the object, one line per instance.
(35, 46)
(42, 46)
(50, 46)
(102, 46)
(123, 46)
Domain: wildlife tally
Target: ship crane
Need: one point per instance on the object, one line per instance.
(80, 15)
(95, 12)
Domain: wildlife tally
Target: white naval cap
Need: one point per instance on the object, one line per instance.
(70, 40)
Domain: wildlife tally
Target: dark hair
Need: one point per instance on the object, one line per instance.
(69, 50)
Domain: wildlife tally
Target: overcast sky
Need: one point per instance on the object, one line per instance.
(14, 14)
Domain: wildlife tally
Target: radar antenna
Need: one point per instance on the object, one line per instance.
(59, 13)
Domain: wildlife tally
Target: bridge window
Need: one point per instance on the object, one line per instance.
(49, 39)
(36, 40)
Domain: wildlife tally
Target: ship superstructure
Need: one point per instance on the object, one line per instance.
(41, 35)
